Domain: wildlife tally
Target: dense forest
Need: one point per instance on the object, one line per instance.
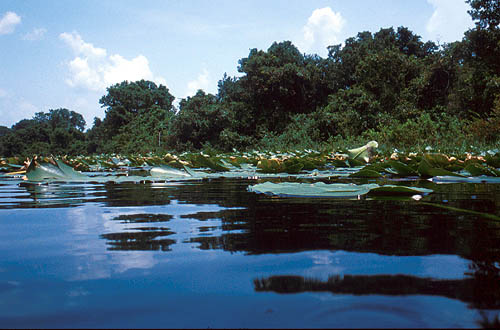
(388, 86)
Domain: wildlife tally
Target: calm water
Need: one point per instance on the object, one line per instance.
(210, 254)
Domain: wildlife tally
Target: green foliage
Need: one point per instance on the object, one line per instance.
(387, 86)
(425, 130)
(59, 131)
(137, 115)
(200, 120)
(485, 12)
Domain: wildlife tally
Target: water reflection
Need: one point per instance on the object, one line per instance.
(146, 239)
(478, 291)
(167, 230)
(141, 238)
(263, 224)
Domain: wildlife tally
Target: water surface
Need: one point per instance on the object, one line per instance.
(209, 253)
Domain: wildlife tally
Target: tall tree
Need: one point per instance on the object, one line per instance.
(200, 120)
(135, 111)
(486, 13)
(127, 100)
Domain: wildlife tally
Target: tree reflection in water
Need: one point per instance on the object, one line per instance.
(478, 291)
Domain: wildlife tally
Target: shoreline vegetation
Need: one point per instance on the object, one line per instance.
(388, 86)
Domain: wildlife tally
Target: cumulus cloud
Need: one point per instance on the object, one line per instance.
(93, 69)
(8, 22)
(36, 34)
(80, 47)
(449, 20)
(323, 29)
(201, 82)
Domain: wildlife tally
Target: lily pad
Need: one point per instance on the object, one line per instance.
(167, 171)
(318, 189)
(393, 190)
(475, 179)
(402, 169)
(425, 169)
(476, 169)
(213, 163)
(52, 170)
(269, 166)
(293, 166)
(366, 173)
(363, 153)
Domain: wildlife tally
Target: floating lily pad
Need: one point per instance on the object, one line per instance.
(425, 169)
(318, 189)
(292, 166)
(455, 179)
(167, 171)
(476, 169)
(366, 173)
(393, 190)
(213, 163)
(52, 170)
(269, 166)
(402, 169)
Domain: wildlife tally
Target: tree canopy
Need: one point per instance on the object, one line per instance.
(376, 85)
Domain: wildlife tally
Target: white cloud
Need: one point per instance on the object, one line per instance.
(201, 82)
(36, 34)
(323, 29)
(80, 47)
(449, 21)
(8, 22)
(3, 93)
(94, 70)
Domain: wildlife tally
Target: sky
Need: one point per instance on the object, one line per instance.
(64, 54)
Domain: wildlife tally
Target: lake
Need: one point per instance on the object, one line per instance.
(209, 253)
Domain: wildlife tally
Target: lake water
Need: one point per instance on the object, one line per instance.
(209, 253)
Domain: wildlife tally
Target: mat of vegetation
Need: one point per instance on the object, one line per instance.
(357, 163)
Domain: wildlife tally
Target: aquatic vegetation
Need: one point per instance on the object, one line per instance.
(321, 189)
(362, 163)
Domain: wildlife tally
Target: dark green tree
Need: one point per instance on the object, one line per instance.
(58, 132)
(136, 114)
(200, 120)
(485, 12)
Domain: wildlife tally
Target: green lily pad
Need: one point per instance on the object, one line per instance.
(437, 160)
(402, 169)
(293, 166)
(52, 170)
(269, 166)
(167, 171)
(318, 189)
(393, 190)
(425, 169)
(476, 169)
(475, 179)
(211, 162)
(363, 153)
(354, 162)
(365, 173)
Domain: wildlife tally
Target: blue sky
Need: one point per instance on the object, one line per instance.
(57, 53)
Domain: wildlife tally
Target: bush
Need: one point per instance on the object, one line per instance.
(425, 130)
(486, 130)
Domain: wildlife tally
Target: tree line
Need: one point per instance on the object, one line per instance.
(389, 86)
